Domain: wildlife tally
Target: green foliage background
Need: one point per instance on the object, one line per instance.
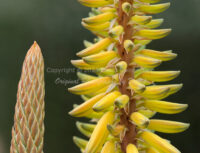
(55, 24)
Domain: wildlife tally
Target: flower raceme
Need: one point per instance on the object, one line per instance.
(122, 97)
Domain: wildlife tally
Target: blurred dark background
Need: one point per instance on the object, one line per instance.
(55, 25)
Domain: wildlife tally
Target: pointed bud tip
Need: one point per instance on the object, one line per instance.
(178, 72)
(35, 48)
(83, 20)
(73, 61)
(78, 73)
(75, 138)
(35, 44)
(167, 30)
(70, 89)
(187, 125)
(180, 85)
(185, 106)
(70, 113)
(168, 3)
(78, 123)
(83, 23)
(161, 20)
(78, 54)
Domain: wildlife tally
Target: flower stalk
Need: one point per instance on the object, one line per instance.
(122, 97)
(125, 12)
(28, 129)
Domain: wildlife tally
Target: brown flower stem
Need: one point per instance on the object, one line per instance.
(123, 19)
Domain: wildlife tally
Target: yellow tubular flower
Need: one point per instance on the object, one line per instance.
(81, 143)
(99, 18)
(95, 3)
(154, 9)
(106, 102)
(173, 88)
(154, 23)
(116, 31)
(142, 42)
(86, 107)
(97, 27)
(92, 115)
(121, 101)
(165, 107)
(167, 126)
(97, 92)
(126, 7)
(96, 48)
(121, 67)
(128, 45)
(146, 62)
(107, 9)
(136, 86)
(105, 72)
(85, 98)
(155, 92)
(147, 113)
(157, 142)
(82, 130)
(115, 130)
(109, 147)
(87, 43)
(153, 34)
(91, 86)
(100, 133)
(150, 1)
(100, 58)
(131, 148)
(86, 126)
(164, 56)
(80, 64)
(151, 150)
(141, 19)
(159, 76)
(120, 91)
(85, 77)
(139, 119)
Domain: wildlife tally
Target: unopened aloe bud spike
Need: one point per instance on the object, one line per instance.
(28, 129)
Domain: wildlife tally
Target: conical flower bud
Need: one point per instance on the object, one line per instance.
(128, 45)
(116, 31)
(126, 7)
(28, 129)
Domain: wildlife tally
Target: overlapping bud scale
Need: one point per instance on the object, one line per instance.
(122, 92)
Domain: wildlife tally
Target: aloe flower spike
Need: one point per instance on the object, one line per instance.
(122, 97)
